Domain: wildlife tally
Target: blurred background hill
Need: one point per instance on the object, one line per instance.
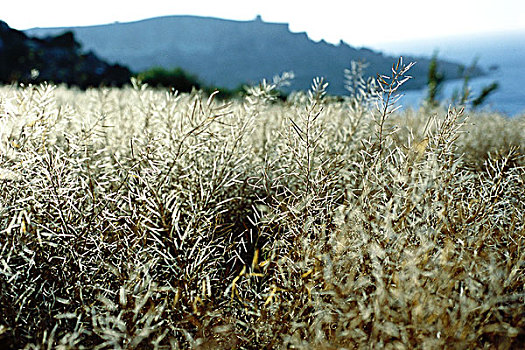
(228, 53)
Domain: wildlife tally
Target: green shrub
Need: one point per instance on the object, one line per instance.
(176, 78)
(434, 82)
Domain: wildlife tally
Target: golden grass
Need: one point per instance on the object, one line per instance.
(134, 218)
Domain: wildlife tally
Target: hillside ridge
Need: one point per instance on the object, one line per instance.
(227, 53)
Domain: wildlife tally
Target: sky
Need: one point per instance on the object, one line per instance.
(359, 23)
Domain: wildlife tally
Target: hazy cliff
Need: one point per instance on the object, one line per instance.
(228, 53)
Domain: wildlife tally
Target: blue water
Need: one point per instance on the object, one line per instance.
(506, 50)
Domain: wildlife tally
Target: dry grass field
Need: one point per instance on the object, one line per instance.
(136, 218)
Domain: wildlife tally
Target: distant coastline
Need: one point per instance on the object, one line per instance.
(502, 55)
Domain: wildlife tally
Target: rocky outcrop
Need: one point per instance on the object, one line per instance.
(56, 59)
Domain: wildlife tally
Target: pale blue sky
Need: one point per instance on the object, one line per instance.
(359, 23)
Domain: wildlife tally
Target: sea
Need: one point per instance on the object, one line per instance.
(501, 55)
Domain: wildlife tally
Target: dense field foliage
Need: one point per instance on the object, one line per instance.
(135, 218)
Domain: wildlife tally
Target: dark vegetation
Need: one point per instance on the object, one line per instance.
(58, 60)
(179, 80)
(176, 79)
